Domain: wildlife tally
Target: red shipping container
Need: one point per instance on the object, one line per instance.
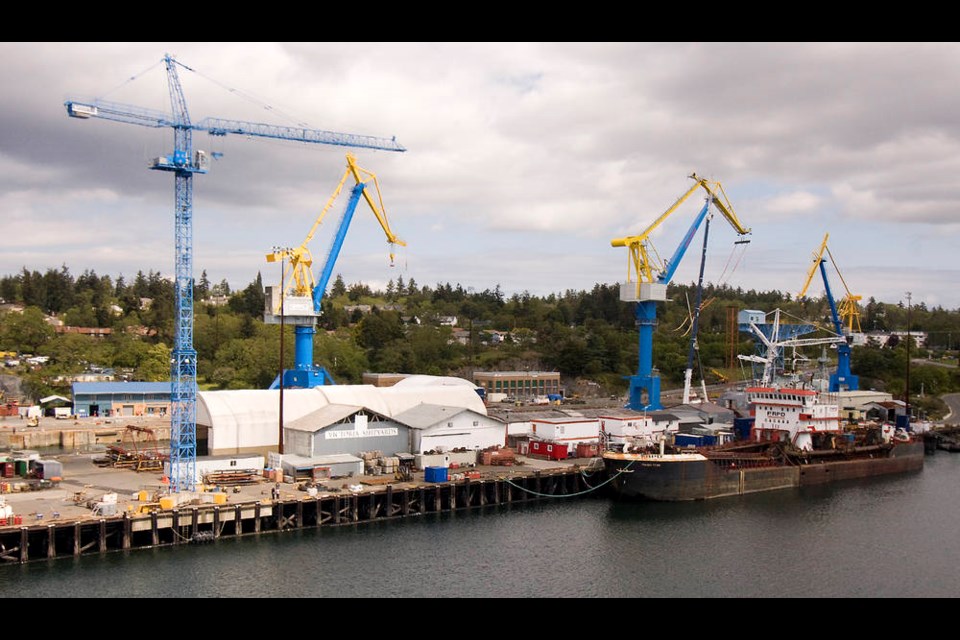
(550, 450)
(586, 450)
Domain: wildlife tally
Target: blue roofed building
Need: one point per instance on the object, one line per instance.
(108, 399)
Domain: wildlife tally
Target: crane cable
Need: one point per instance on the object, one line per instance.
(255, 100)
(689, 318)
(132, 78)
(721, 280)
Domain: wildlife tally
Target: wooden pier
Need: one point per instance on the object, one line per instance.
(187, 524)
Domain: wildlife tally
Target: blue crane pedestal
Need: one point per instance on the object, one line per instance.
(645, 385)
(305, 374)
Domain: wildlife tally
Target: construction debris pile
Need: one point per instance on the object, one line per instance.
(139, 452)
(502, 456)
(376, 464)
(234, 478)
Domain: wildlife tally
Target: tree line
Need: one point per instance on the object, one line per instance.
(582, 334)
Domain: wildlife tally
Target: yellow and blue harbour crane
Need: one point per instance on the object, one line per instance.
(298, 300)
(845, 316)
(184, 162)
(647, 280)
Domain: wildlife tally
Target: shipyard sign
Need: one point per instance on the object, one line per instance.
(363, 433)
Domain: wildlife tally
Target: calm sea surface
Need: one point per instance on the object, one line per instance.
(882, 537)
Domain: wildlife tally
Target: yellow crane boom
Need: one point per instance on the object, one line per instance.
(301, 281)
(642, 262)
(848, 308)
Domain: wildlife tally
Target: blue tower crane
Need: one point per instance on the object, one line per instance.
(183, 163)
(647, 289)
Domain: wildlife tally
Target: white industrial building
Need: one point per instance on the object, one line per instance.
(443, 429)
(248, 421)
(569, 431)
(344, 429)
(648, 426)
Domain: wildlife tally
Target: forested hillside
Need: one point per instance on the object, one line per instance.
(410, 328)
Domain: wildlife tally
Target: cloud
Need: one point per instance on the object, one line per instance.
(793, 204)
(547, 150)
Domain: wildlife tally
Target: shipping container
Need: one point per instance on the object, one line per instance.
(742, 427)
(47, 469)
(551, 450)
(689, 440)
(587, 450)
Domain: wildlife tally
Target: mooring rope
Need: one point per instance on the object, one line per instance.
(571, 495)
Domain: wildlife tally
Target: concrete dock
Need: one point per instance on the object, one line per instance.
(56, 522)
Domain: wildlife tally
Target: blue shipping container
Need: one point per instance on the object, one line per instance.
(742, 426)
(903, 422)
(435, 474)
(688, 439)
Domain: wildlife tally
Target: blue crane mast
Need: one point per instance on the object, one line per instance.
(646, 288)
(184, 163)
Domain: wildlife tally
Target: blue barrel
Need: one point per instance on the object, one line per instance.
(903, 422)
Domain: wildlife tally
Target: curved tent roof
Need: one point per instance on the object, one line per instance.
(249, 418)
(244, 418)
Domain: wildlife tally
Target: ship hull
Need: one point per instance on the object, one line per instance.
(681, 477)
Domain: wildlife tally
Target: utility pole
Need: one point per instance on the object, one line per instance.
(907, 393)
(283, 252)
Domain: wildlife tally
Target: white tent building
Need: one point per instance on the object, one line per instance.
(248, 420)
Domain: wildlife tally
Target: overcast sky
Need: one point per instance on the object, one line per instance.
(523, 160)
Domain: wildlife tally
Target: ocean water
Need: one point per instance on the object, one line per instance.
(880, 537)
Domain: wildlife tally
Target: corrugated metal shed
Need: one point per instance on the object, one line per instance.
(95, 388)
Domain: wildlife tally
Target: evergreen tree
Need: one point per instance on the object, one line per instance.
(201, 290)
(339, 287)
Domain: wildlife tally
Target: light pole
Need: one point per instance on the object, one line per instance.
(282, 252)
(907, 394)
